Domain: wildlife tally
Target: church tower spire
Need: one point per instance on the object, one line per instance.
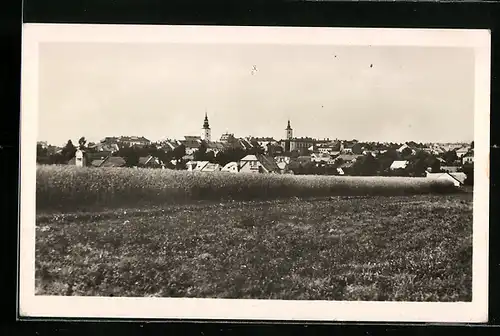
(289, 131)
(205, 135)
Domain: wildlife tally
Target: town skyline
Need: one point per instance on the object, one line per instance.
(379, 94)
(217, 138)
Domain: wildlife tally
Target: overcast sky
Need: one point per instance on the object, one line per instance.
(152, 90)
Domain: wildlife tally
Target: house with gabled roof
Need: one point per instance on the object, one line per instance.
(149, 161)
(458, 179)
(134, 141)
(468, 158)
(258, 164)
(211, 167)
(215, 147)
(450, 169)
(191, 143)
(107, 147)
(231, 167)
(462, 151)
(203, 166)
(399, 164)
(113, 161)
(348, 157)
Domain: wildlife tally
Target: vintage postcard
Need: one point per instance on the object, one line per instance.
(254, 173)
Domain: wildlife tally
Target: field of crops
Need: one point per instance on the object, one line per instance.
(68, 188)
(411, 248)
(139, 232)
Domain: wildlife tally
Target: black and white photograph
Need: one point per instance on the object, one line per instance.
(254, 173)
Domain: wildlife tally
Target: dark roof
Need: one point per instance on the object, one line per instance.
(245, 143)
(144, 159)
(97, 155)
(348, 164)
(113, 161)
(349, 157)
(268, 162)
(134, 138)
(96, 163)
(303, 139)
(450, 169)
(215, 145)
(264, 139)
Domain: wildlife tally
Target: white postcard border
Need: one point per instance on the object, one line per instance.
(233, 309)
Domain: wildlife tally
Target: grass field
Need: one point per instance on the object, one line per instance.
(411, 248)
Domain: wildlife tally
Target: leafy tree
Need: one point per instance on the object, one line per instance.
(295, 154)
(406, 153)
(365, 166)
(304, 152)
(450, 157)
(472, 145)
(210, 157)
(435, 166)
(468, 169)
(257, 148)
(41, 152)
(68, 151)
(386, 159)
(179, 152)
(82, 143)
(131, 156)
(200, 153)
(357, 148)
(234, 154)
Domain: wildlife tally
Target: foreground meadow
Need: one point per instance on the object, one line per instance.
(411, 248)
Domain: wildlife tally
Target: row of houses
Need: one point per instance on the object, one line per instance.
(255, 163)
(263, 164)
(320, 150)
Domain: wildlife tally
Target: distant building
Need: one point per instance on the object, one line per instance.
(191, 143)
(282, 158)
(468, 159)
(113, 161)
(289, 132)
(169, 145)
(258, 164)
(231, 167)
(399, 164)
(149, 162)
(320, 157)
(206, 132)
(227, 137)
(203, 166)
(215, 147)
(462, 151)
(134, 141)
(457, 179)
(450, 169)
(264, 142)
(107, 147)
(348, 157)
(297, 143)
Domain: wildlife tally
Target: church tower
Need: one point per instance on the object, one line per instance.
(289, 131)
(205, 135)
